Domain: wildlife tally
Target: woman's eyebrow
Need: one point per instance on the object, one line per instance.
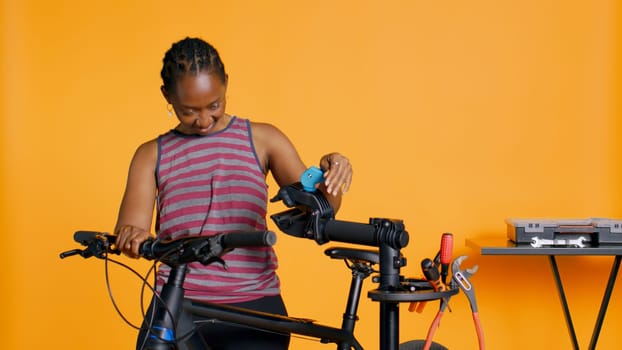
(219, 99)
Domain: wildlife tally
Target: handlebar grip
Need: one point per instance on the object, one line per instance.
(154, 249)
(365, 234)
(350, 232)
(248, 239)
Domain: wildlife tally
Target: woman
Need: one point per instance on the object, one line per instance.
(207, 176)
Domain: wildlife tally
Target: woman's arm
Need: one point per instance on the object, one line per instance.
(278, 155)
(136, 211)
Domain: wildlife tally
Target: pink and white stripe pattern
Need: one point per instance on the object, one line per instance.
(212, 184)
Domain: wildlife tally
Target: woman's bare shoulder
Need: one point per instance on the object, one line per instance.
(263, 127)
(267, 132)
(147, 152)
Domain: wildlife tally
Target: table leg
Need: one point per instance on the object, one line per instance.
(562, 297)
(603, 306)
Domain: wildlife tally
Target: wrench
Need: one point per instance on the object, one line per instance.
(540, 242)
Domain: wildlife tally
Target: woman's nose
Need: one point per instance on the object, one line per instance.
(204, 118)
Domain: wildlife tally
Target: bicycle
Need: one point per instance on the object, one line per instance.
(310, 216)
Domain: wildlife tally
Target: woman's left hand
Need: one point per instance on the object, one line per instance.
(337, 173)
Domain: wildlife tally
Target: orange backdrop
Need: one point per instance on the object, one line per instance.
(455, 114)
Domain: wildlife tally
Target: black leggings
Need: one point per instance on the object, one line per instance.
(223, 336)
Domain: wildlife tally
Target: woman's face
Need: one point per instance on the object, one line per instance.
(199, 102)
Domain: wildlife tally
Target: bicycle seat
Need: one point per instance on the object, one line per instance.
(357, 255)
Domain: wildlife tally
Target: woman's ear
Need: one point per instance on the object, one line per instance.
(165, 94)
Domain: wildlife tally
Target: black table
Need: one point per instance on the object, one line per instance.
(502, 246)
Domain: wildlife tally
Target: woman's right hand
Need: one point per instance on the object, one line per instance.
(129, 239)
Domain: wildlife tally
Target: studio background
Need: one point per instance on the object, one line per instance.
(454, 114)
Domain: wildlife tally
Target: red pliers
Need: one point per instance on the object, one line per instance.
(434, 325)
(460, 278)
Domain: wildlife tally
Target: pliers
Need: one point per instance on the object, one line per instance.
(437, 321)
(461, 279)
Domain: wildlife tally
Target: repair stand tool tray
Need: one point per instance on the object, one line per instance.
(565, 232)
(412, 290)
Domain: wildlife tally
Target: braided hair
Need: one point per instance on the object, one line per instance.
(190, 56)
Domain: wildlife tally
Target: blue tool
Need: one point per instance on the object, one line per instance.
(310, 178)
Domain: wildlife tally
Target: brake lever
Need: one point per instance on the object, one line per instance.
(69, 253)
(98, 248)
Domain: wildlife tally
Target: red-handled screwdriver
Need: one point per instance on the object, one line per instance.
(447, 247)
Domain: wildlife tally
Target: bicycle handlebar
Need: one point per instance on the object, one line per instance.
(203, 249)
(206, 247)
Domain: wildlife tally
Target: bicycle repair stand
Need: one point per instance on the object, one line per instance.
(312, 217)
(393, 290)
(391, 262)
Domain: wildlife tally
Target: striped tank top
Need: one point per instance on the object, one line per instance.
(208, 185)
